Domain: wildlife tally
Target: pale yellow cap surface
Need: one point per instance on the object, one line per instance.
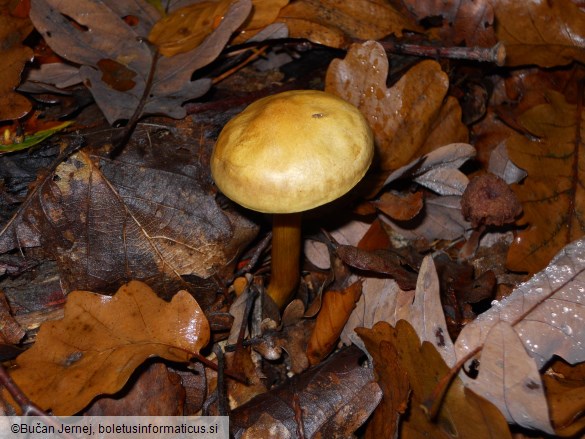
(292, 151)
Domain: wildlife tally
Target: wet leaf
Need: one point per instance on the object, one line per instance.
(72, 27)
(101, 340)
(409, 119)
(543, 33)
(112, 230)
(335, 310)
(546, 311)
(552, 195)
(13, 56)
(462, 413)
(335, 23)
(336, 397)
(509, 378)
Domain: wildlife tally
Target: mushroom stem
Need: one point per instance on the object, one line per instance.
(286, 256)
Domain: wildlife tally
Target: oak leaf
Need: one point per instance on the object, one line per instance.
(409, 119)
(544, 33)
(88, 32)
(462, 412)
(552, 195)
(101, 340)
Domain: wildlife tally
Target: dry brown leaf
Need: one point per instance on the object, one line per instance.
(462, 413)
(552, 195)
(156, 391)
(336, 22)
(470, 23)
(331, 400)
(129, 221)
(335, 310)
(13, 56)
(101, 340)
(400, 207)
(411, 118)
(543, 33)
(566, 398)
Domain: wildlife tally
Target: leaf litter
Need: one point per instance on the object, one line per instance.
(408, 132)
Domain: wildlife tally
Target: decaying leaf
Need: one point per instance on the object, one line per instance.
(462, 413)
(13, 56)
(95, 348)
(546, 311)
(89, 33)
(543, 33)
(409, 119)
(335, 23)
(552, 195)
(112, 236)
(333, 398)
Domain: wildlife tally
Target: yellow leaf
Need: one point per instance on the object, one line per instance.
(101, 340)
(184, 29)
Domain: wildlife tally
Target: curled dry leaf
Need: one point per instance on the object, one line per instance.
(411, 118)
(552, 195)
(335, 310)
(335, 23)
(95, 35)
(543, 33)
(13, 57)
(101, 340)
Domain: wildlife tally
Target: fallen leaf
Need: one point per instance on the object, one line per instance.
(566, 398)
(462, 413)
(10, 331)
(509, 379)
(362, 19)
(409, 119)
(400, 207)
(94, 32)
(544, 33)
(101, 340)
(111, 237)
(339, 386)
(336, 308)
(32, 139)
(546, 311)
(468, 23)
(501, 165)
(552, 196)
(156, 391)
(13, 55)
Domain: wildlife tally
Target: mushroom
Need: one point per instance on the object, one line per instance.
(286, 154)
(487, 201)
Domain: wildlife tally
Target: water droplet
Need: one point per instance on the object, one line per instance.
(567, 329)
(553, 314)
(565, 309)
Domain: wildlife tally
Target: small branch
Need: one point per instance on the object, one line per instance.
(495, 54)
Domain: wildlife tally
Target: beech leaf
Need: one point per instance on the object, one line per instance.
(101, 340)
(552, 194)
(509, 379)
(89, 32)
(547, 311)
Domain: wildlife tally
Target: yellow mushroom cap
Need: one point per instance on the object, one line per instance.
(292, 151)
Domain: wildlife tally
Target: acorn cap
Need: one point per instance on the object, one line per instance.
(292, 152)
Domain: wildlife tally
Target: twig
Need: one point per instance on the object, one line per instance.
(495, 54)
(256, 53)
(222, 402)
(256, 253)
